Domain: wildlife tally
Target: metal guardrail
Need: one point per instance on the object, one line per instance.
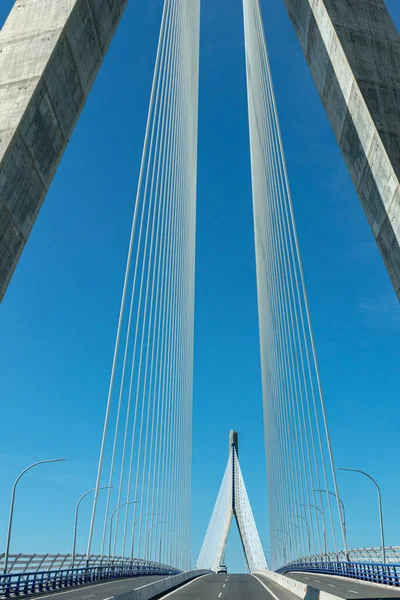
(387, 574)
(356, 555)
(21, 563)
(26, 584)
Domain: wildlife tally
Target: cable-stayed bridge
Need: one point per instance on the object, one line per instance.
(140, 526)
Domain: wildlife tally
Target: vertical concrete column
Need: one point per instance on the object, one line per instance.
(50, 52)
(353, 50)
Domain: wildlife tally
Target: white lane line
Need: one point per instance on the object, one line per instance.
(331, 585)
(306, 578)
(83, 587)
(267, 588)
(90, 596)
(178, 589)
(151, 583)
(317, 580)
(110, 598)
(224, 585)
(219, 595)
(354, 592)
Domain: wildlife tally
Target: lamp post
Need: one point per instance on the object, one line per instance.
(146, 545)
(308, 531)
(283, 544)
(76, 520)
(111, 522)
(323, 523)
(380, 509)
(342, 516)
(298, 529)
(289, 538)
(133, 528)
(161, 537)
(10, 519)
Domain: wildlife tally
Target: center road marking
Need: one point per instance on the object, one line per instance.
(354, 592)
(219, 595)
(331, 585)
(224, 585)
(178, 589)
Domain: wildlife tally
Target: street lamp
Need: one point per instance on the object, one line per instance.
(308, 531)
(323, 523)
(10, 519)
(343, 517)
(76, 520)
(133, 528)
(283, 544)
(111, 522)
(161, 537)
(298, 529)
(380, 509)
(146, 548)
(289, 537)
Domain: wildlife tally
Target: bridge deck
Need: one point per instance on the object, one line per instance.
(103, 591)
(345, 587)
(226, 587)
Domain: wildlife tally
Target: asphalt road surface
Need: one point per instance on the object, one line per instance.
(226, 587)
(346, 587)
(102, 591)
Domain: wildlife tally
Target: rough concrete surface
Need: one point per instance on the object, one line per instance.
(353, 50)
(50, 52)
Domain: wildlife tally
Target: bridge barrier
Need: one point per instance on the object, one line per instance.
(301, 590)
(386, 574)
(154, 589)
(26, 584)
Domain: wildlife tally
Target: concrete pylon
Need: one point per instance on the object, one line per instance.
(232, 502)
(50, 52)
(233, 441)
(353, 50)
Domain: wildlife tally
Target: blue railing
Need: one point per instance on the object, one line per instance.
(25, 584)
(388, 574)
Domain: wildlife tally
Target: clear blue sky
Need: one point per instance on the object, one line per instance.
(58, 318)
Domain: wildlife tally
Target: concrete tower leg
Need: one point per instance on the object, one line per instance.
(50, 52)
(353, 50)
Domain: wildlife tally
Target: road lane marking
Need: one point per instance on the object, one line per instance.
(331, 585)
(318, 581)
(219, 595)
(306, 578)
(224, 585)
(266, 587)
(110, 598)
(178, 589)
(354, 592)
(90, 596)
(80, 587)
(151, 583)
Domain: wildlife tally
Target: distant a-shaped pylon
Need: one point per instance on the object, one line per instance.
(232, 501)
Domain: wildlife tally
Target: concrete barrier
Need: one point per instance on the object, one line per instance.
(301, 590)
(162, 586)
